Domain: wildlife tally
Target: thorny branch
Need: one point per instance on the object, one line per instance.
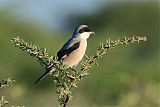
(7, 82)
(3, 84)
(3, 101)
(65, 80)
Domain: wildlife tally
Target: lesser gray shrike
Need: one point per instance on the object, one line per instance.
(73, 50)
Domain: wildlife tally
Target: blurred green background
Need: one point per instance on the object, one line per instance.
(127, 76)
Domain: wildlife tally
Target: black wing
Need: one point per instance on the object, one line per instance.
(62, 53)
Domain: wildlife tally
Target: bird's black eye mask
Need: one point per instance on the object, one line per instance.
(85, 29)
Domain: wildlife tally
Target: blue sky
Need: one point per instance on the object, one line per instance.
(47, 11)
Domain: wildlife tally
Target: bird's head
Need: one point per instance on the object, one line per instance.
(83, 31)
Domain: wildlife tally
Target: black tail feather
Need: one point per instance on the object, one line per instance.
(42, 76)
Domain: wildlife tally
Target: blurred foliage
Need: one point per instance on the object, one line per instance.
(126, 77)
(3, 84)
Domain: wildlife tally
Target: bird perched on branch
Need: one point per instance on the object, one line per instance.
(73, 50)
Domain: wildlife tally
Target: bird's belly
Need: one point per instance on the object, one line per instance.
(76, 56)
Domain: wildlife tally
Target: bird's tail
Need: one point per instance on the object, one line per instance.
(52, 69)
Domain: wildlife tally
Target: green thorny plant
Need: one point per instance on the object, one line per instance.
(66, 81)
(7, 82)
(3, 84)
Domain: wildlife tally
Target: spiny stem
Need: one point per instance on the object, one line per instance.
(65, 80)
(6, 82)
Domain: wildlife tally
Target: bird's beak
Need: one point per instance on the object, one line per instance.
(92, 33)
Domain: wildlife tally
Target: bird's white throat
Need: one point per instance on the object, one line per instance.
(85, 35)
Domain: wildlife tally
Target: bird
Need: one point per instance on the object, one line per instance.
(73, 50)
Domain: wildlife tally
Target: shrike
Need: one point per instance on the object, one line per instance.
(73, 50)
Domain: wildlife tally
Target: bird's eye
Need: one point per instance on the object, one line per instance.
(85, 29)
(81, 30)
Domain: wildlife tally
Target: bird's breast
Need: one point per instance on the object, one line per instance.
(76, 56)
